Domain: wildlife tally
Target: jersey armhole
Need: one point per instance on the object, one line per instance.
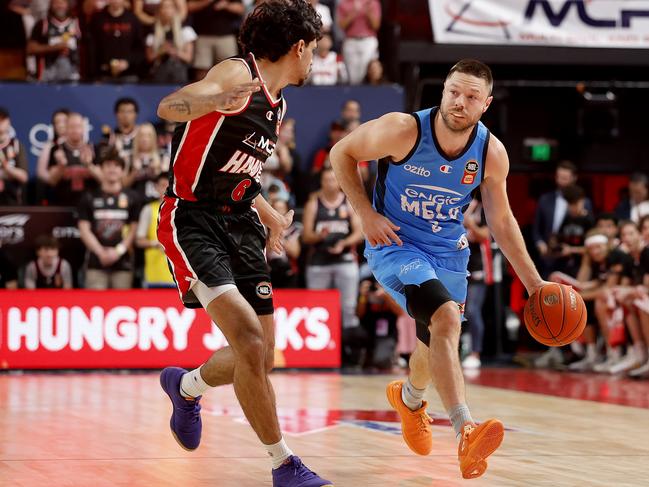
(483, 166)
(414, 147)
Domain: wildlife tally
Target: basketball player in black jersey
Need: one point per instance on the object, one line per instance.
(211, 222)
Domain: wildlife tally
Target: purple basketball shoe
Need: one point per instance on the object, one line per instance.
(185, 420)
(295, 474)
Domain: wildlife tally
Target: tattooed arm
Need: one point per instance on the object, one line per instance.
(226, 86)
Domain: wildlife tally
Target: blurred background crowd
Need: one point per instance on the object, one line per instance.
(596, 242)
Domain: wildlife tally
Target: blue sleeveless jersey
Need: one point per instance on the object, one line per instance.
(426, 193)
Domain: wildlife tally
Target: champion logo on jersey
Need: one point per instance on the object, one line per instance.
(446, 169)
(269, 115)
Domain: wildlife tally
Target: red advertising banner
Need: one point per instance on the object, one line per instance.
(151, 329)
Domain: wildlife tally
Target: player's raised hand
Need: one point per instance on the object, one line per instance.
(379, 230)
(236, 96)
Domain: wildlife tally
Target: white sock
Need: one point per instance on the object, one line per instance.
(638, 351)
(279, 453)
(411, 396)
(459, 416)
(192, 384)
(591, 351)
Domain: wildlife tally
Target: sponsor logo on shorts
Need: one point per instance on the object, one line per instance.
(415, 264)
(463, 242)
(418, 170)
(264, 290)
(551, 299)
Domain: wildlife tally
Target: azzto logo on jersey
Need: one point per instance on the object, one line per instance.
(446, 169)
(263, 145)
(470, 170)
(264, 290)
(419, 171)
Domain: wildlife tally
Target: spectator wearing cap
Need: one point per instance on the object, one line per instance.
(107, 222)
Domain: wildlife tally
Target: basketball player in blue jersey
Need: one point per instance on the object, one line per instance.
(210, 221)
(430, 162)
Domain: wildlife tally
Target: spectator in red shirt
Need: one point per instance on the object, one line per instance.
(360, 20)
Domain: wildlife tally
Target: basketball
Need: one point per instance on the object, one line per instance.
(555, 315)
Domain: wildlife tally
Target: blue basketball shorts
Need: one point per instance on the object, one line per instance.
(396, 267)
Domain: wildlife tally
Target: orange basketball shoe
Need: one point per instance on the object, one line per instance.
(477, 443)
(415, 425)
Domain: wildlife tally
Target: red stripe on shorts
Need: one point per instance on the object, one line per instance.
(167, 236)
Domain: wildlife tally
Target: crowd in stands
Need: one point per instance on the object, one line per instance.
(605, 257)
(174, 41)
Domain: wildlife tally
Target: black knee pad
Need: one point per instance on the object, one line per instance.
(422, 302)
(258, 291)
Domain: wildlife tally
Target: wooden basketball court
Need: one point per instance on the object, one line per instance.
(95, 430)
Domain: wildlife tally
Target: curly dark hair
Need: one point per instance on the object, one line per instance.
(275, 26)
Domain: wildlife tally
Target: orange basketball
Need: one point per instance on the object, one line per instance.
(555, 315)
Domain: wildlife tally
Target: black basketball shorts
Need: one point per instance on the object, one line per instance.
(216, 249)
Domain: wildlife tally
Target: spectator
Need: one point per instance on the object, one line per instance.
(567, 244)
(325, 15)
(13, 164)
(49, 270)
(156, 269)
(321, 158)
(71, 168)
(55, 41)
(350, 112)
(550, 213)
(328, 67)
(601, 270)
(333, 229)
(146, 10)
(360, 20)
(636, 205)
(375, 74)
(377, 313)
(116, 47)
(644, 229)
(606, 223)
(625, 295)
(107, 220)
(283, 264)
(146, 164)
(217, 24)
(170, 48)
(122, 138)
(8, 274)
(58, 127)
(480, 267)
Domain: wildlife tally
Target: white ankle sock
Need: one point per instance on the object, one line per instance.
(591, 351)
(459, 415)
(192, 384)
(279, 453)
(411, 396)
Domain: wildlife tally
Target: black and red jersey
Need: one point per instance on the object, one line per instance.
(217, 159)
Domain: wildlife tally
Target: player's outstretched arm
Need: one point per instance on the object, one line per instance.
(500, 219)
(226, 86)
(391, 136)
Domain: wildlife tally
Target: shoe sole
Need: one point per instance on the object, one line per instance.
(394, 406)
(489, 439)
(173, 433)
